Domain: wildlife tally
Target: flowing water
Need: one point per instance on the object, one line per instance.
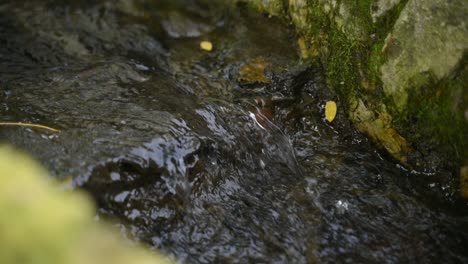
(186, 159)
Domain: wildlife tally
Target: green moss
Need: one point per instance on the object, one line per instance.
(435, 116)
(385, 23)
(361, 17)
(352, 61)
(342, 72)
(376, 60)
(316, 22)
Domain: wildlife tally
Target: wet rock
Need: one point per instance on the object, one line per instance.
(81, 33)
(379, 128)
(188, 163)
(177, 25)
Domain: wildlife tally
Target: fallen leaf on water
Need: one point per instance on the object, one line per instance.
(330, 111)
(253, 72)
(206, 45)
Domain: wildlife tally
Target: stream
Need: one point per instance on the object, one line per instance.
(188, 154)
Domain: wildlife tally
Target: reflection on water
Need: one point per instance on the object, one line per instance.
(193, 163)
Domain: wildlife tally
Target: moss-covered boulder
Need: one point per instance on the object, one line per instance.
(398, 66)
(41, 224)
(424, 77)
(428, 40)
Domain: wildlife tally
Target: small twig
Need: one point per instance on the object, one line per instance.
(29, 125)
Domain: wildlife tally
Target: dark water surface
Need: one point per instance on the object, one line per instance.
(196, 165)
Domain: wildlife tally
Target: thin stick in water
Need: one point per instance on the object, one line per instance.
(29, 125)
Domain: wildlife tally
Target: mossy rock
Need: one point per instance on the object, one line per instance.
(398, 68)
(429, 37)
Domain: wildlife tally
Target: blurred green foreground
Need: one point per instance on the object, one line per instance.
(41, 224)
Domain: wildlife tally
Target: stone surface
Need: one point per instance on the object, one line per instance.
(429, 39)
(379, 128)
(380, 7)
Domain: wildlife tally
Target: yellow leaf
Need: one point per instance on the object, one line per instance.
(330, 111)
(206, 45)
